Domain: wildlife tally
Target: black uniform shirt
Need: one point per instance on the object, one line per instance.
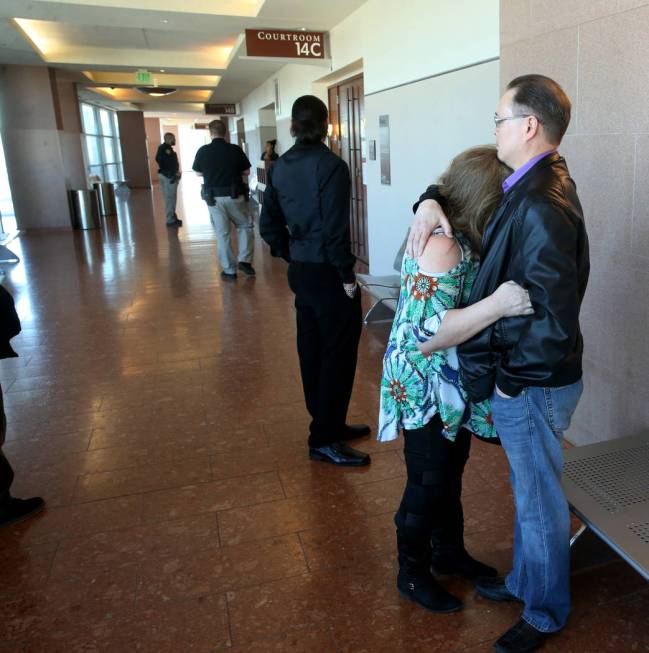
(221, 163)
(305, 215)
(167, 159)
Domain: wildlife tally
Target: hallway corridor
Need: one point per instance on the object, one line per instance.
(159, 412)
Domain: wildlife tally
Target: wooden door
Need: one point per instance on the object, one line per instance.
(347, 116)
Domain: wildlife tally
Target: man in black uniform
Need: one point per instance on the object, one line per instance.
(223, 166)
(305, 220)
(169, 171)
(12, 510)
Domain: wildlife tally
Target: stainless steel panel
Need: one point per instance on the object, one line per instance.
(607, 486)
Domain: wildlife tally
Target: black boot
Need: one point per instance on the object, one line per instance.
(449, 557)
(456, 560)
(416, 583)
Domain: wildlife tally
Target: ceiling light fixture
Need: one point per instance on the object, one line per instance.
(165, 21)
(156, 91)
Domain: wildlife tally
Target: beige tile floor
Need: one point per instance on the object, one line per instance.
(159, 412)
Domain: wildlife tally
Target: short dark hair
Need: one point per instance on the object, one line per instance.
(544, 98)
(218, 128)
(309, 119)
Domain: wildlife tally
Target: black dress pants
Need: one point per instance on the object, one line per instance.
(329, 327)
(431, 506)
(6, 472)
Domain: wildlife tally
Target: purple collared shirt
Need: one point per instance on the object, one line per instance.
(517, 175)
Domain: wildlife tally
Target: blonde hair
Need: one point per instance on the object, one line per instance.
(472, 189)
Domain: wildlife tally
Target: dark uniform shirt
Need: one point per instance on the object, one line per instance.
(167, 160)
(305, 215)
(9, 324)
(221, 164)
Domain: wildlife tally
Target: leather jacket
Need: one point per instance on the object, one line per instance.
(538, 239)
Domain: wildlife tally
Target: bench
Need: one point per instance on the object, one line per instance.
(384, 290)
(607, 487)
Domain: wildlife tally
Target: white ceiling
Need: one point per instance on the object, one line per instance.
(180, 36)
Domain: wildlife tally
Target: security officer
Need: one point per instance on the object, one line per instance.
(169, 172)
(223, 166)
(305, 220)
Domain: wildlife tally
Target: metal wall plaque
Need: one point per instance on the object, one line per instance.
(384, 149)
(372, 150)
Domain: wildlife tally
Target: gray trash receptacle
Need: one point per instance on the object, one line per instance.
(85, 209)
(106, 193)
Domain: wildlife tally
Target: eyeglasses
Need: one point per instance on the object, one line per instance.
(498, 120)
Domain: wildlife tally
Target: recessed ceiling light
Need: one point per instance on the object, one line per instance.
(303, 29)
(155, 91)
(165, 21)
(162, 70)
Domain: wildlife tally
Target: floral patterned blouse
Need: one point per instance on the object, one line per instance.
(414, 386)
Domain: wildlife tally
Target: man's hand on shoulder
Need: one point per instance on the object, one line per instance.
(429, 216)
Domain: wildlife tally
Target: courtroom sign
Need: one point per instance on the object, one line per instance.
(284, 43)
(221, 109)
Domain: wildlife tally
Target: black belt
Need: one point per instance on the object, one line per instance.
(221, 191)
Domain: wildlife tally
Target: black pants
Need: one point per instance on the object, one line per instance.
(431, 506)
(329, 327)
(6, 472)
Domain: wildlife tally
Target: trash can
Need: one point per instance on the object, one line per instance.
(85, 209)
(106, 193)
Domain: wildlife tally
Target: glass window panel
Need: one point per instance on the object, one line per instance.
(109, 150)
(118, 149)
(120, 172)
(112, 172)
(92, 147)
(115, 123)
(97, 171)
(106, 122)
(89, 119)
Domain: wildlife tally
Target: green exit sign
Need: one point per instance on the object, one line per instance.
(143, 77)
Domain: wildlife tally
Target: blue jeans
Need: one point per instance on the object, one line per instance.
(531, 428)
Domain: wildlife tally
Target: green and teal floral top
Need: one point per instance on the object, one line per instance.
(414, 386)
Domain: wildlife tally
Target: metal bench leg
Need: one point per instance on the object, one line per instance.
(379, 312)
(578, 534)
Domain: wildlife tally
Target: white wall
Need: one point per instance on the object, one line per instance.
(430, 122)
(415, 39)
(432, 118)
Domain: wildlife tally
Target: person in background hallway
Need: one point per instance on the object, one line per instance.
(420, 388)
(169, 172)
(269, 153)
(12, 510)
(305, 220)
(530, 366)
(223, 166)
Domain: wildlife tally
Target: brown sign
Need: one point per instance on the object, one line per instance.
(221, 109)
(284, 43)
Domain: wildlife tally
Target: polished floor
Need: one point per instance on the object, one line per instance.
(159, 412)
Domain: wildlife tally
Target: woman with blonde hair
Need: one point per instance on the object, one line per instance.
(421, 388)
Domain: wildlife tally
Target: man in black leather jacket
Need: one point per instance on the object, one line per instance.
(12, 510)
(531, 366)
(305, 220)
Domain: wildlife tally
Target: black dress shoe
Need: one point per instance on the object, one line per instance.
(338, 453)
(228, 276)
(460, 563)
(521, 638)
(14, 510)
(494, 589)
(423, 590)
(247, 269)
(354, 431)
